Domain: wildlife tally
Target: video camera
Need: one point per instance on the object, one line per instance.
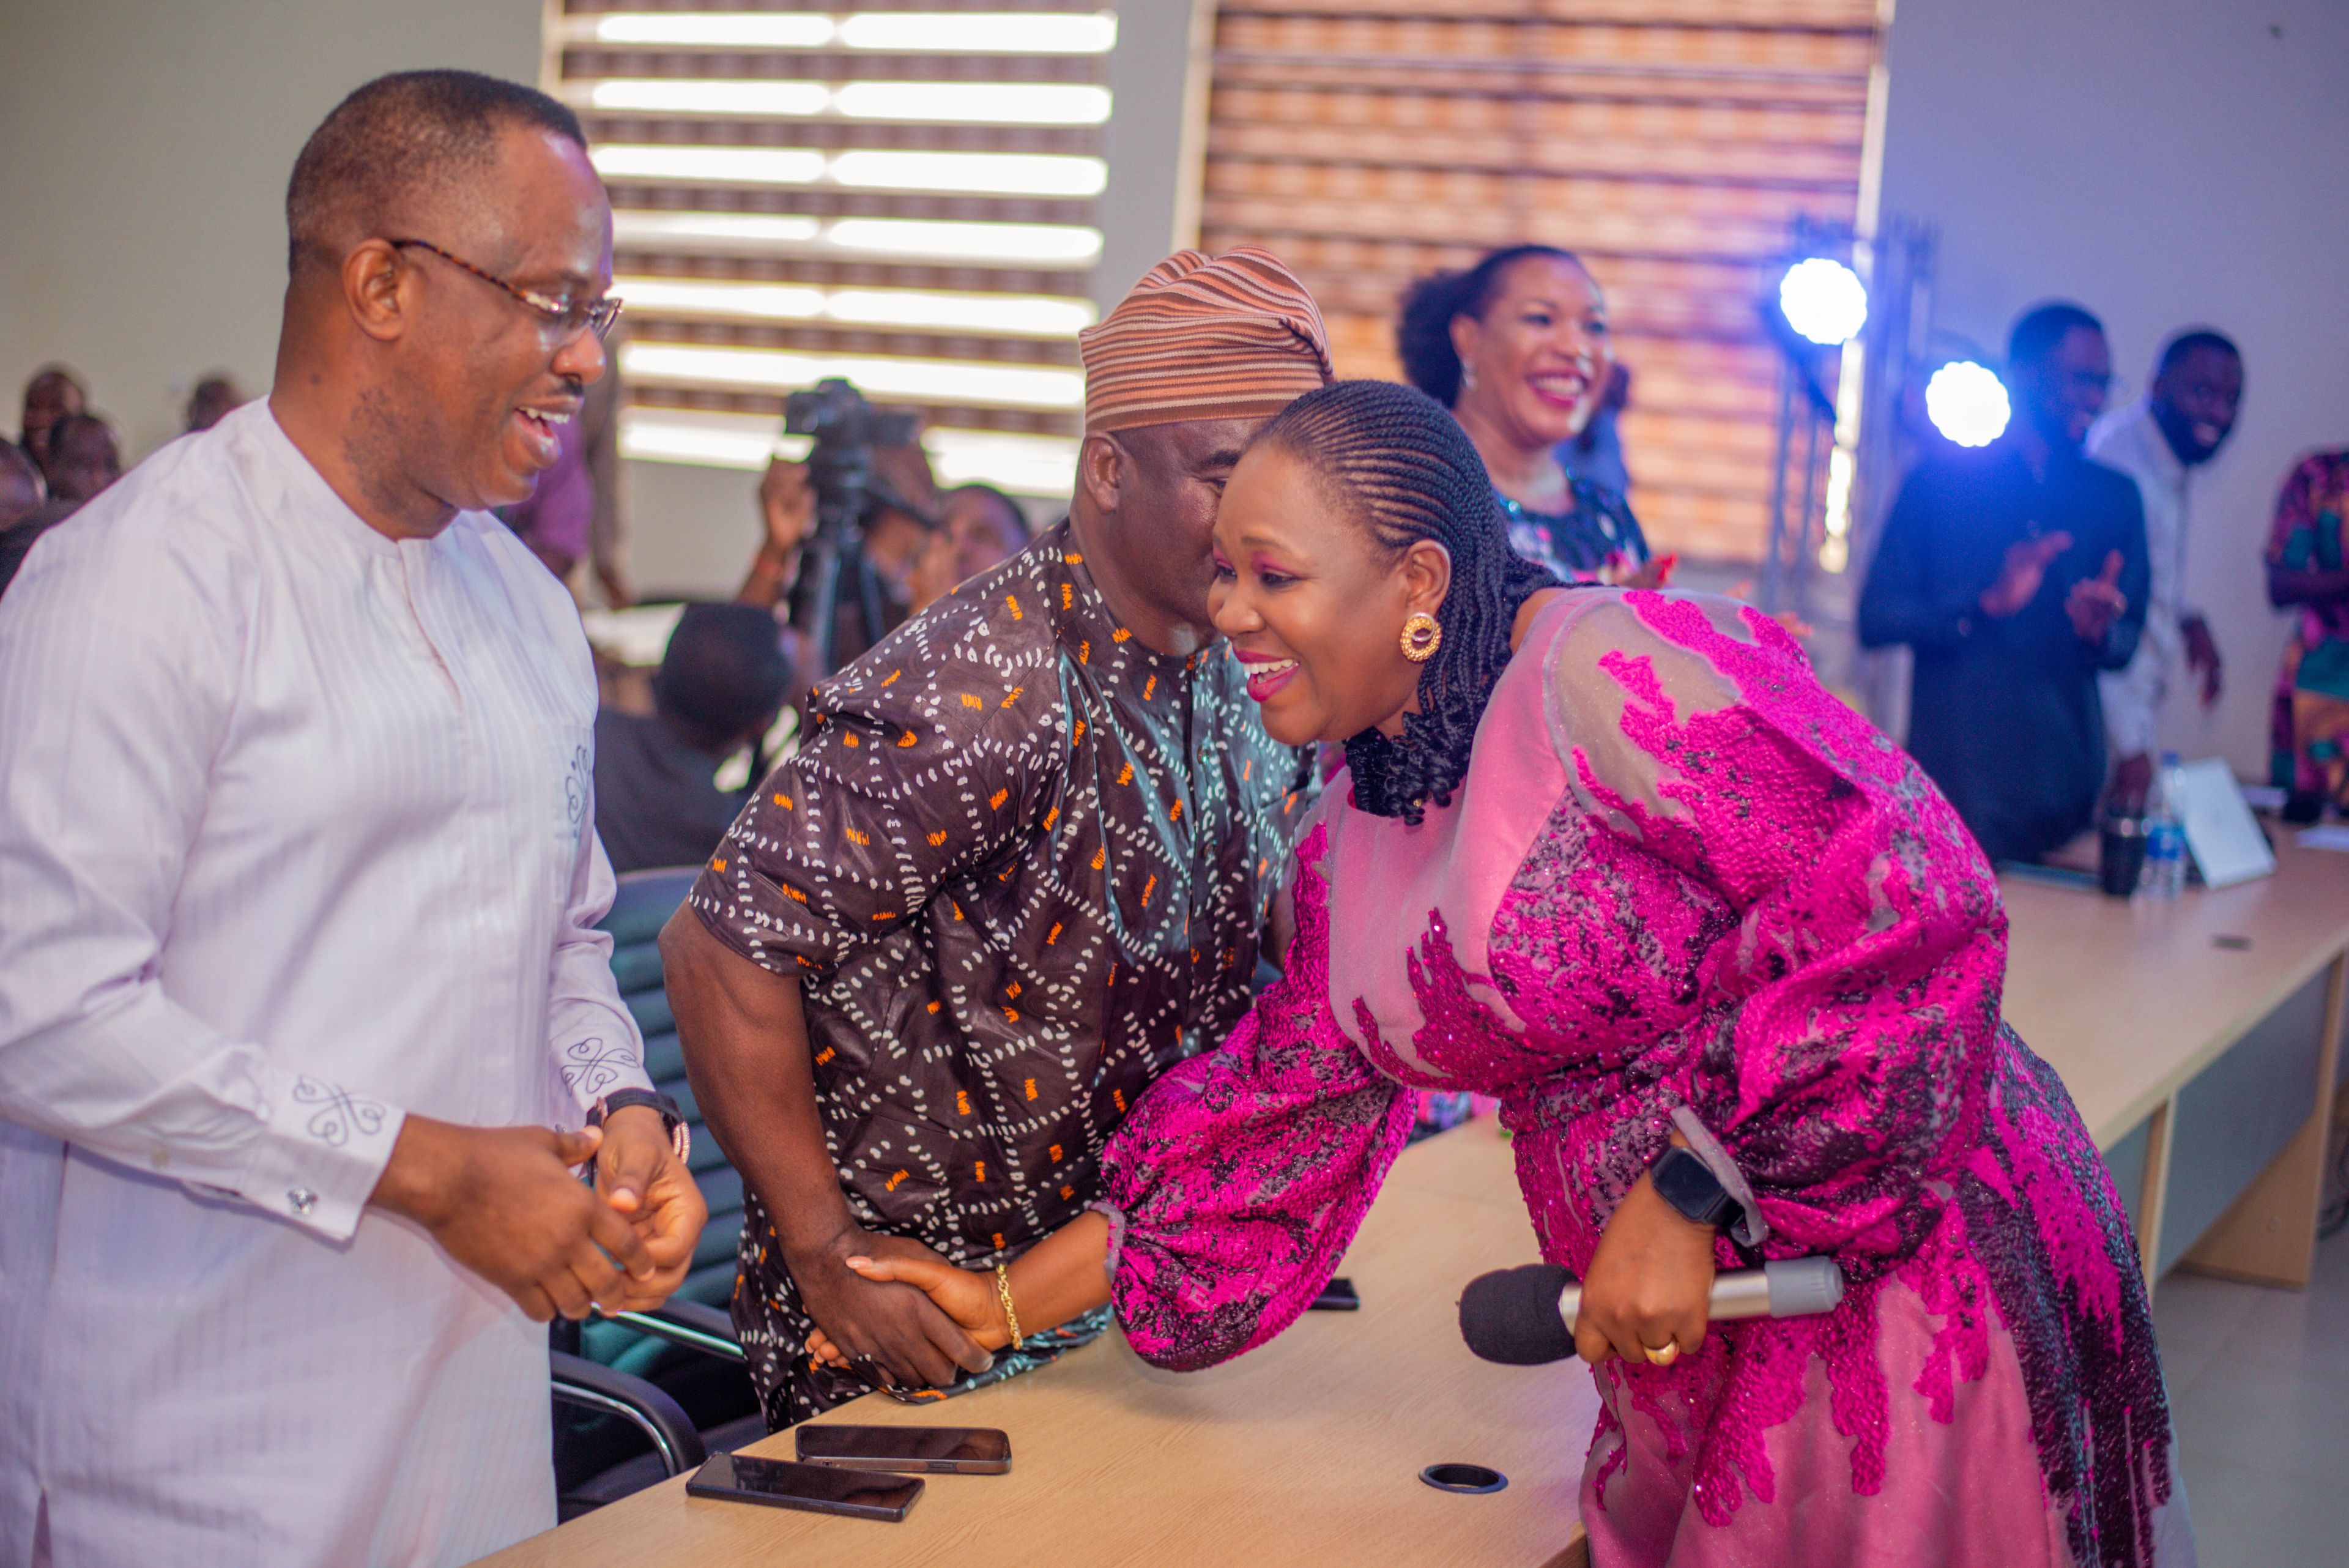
(839, 465)
(846, 429)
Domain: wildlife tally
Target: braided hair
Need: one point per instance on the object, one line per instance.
(1409, 473)
(1423, 330)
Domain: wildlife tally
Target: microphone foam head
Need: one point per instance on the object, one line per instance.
(1510, 1315)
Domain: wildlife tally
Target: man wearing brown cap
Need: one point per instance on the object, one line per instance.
(1019, 867)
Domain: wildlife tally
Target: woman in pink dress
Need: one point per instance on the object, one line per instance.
(1616, 857)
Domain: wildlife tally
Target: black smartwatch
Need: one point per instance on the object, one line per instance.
(681, 1136)
(1688, 1185)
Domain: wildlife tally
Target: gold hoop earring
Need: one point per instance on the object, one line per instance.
(1422, 635)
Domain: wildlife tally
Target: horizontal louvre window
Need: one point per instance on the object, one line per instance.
(902, 195)
(1671, 142)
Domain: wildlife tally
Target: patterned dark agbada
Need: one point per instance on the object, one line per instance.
(1019, 867)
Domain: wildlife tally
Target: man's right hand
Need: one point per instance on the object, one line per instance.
(894, 1327)
(506, 1203)
(786, 506)
(2024, 569)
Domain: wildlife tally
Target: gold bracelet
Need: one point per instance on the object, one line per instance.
(1003, 1292)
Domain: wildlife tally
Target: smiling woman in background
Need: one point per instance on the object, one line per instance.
(1518, 346)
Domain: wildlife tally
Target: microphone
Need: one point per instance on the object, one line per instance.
(1524, 1316)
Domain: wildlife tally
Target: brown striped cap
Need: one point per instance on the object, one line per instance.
(1232, 337)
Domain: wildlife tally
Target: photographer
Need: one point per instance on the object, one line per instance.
(884, 484)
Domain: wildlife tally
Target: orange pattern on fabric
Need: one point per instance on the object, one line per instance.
(998, 798)
(1014, 605)
(906, 739)
(1031, 1089)
(962, 1101)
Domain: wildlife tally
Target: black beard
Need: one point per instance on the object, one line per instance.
(2179, 431)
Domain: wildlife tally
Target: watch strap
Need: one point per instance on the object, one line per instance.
(680, 1135)
(1688, 1185)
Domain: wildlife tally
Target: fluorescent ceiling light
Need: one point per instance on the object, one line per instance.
(1001, 173)
(1023, 465)
(719, 298)
(714, 29)
(1065, 244)
(981, 103)
(728, 299)
(1029, 315)
(711, 165)
(927, 103)
(981, 32)
(767, 234)
(918, 32)
(753, 231)
(656, 95)
(985, 173)
(881, 376)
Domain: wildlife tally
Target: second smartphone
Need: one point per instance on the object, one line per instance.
(915, 1450)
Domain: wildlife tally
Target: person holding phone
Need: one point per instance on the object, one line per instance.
(1733, 966)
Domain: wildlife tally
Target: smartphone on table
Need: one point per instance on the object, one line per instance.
(940, 1450)
(817, 1489)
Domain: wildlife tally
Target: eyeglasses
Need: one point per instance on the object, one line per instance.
(564, 319)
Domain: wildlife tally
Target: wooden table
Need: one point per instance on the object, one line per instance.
(2214, 1020)
(1307, 1450)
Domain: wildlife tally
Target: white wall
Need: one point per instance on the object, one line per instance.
(2165, 163)
(144, 146)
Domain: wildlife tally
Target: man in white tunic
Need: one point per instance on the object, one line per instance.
(2158, 441)
(298, 971)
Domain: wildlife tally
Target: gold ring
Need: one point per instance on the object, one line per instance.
(1664, 1358)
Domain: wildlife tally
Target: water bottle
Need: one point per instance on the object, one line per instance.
(2164, 833)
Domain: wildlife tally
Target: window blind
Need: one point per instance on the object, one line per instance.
(1671, 142)
(902, 194)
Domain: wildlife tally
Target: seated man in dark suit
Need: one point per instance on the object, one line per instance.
(722, 684)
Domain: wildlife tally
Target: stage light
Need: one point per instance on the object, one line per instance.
(1967, 403)
(981, 32)
(1824, 300)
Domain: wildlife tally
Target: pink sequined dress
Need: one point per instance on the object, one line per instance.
(1682, 885)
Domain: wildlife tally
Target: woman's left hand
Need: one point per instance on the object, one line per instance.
(1648, 1284)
